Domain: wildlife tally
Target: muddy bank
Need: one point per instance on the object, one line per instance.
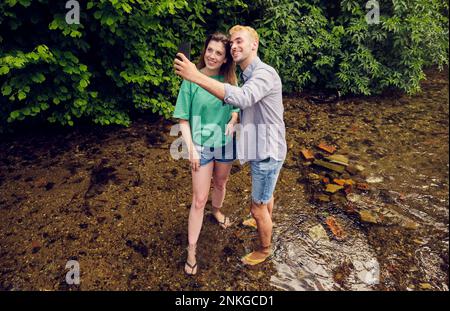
(116, 201)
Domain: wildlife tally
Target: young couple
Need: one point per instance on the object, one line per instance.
(208, 105)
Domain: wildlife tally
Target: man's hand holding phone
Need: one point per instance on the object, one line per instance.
(185, 69)
(188, 71)
(185, 48)
(183, 66)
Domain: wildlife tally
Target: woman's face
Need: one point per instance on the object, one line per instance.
(215, 55)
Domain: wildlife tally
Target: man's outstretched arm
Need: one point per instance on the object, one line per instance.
(243, 97)
(188, 71)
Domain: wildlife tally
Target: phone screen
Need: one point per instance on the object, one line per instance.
(185, 48)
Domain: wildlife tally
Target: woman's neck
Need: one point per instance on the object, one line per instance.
(210, 72)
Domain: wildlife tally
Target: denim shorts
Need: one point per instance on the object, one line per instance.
(224, 154)
(264, 179)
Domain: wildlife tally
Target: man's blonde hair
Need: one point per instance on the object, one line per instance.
(249, 29)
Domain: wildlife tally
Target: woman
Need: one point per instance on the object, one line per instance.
(207, 128)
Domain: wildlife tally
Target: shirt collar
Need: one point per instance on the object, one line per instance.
(247, 73)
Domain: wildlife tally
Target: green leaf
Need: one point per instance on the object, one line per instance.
(38, 78)
(6, 90)
(83, 83)
(98, 14)
(4, 70)
(14, 114)
(11, 2)
(21, 95)
(109, 21)
(42, 49)
(25, 3)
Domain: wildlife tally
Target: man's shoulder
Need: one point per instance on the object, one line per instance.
(264, 68)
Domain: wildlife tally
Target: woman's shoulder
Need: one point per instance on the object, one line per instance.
(188, 86)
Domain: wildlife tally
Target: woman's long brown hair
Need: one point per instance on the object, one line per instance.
(228, 70)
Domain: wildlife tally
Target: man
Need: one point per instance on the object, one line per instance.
(260, 100)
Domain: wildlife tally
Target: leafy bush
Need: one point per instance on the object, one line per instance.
(330, 44)
(118, 60)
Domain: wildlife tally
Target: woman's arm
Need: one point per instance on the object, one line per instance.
(229, 130)
(234, 117)
(194, 157)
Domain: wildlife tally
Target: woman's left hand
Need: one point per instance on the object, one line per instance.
(229, 129)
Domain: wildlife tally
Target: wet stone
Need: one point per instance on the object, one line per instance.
(138, 247)
(338, 198)
(322, 198)
(334, 167)
(374, 179)
(49, 186)
(386, 196)
(35, 247)
(100, 177)
(353, 197)
(338, 159)
(369, 216)
(352, 170)
(317, 233)
(332, 188)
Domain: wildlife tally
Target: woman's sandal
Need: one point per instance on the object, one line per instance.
(226, 223)
(192, 267)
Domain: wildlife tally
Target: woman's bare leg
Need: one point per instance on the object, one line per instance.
(220, 178)
(201, 181)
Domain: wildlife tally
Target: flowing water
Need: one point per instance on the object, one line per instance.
(114, 200)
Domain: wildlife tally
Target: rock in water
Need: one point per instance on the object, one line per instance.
(338, 159)
(374, 180)
(353, 197)
(331, 166)
(317, 233)
(369, 216)
(332, 188)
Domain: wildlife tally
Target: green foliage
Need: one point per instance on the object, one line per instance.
(330, 45)
(119, 59)
(296, 38)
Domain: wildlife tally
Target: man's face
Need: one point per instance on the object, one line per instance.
(242, 46)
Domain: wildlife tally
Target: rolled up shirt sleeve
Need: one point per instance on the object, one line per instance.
(253, 90)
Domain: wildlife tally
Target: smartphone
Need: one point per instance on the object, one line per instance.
(185, 48)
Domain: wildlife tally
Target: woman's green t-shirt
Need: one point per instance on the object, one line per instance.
(206, 114)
